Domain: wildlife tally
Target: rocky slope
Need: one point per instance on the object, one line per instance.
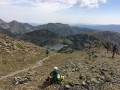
(16, 54)
(97, 71)
(90, 69)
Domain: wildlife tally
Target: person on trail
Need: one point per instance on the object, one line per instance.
(114, 50)
(55, 77)
(47, 52)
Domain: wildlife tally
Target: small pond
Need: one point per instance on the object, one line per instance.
(57, 47)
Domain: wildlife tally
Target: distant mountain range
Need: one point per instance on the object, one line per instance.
(16, 27)
(77, 37)
(59, 28)
(111, 27)
(20, 28)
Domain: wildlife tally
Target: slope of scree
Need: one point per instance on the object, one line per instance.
(16, 54)
(89, 69)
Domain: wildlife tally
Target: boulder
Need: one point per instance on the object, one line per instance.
(21, 80)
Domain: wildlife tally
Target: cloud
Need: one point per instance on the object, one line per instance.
(44, 10)
(58, 3)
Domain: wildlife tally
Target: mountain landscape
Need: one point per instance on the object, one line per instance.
(59, 45)
(77, 38)
(26, 31)
(85, 61)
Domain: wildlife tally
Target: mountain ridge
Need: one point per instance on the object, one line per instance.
(57, 31)
(109, 27)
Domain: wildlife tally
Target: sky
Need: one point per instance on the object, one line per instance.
(63, 11)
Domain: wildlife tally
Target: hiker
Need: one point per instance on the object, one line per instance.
(114, 50)
(47, 52)
(55, 76)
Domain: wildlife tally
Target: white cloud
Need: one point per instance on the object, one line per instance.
(60, 3)
(43, 11)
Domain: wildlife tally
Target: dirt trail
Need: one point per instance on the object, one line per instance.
(39, 63)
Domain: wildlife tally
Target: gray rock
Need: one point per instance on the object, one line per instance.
(21, 80)
(67, 86)
(94, 80)
(82, 77)
(85, 85)
(95, 56)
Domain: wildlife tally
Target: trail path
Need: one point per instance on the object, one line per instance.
(39, 63)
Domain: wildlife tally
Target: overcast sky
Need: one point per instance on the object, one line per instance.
(64, 11)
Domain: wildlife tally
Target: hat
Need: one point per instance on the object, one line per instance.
(55, 68)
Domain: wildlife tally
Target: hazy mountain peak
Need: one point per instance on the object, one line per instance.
(3, 24)
(1, 21)
(19, 28)
(15, 22)
(57, 24)
(58, 28)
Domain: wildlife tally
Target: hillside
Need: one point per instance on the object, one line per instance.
(82, 41)
(16, 54)
(76, 42)
(44, 37)
(107, 36)
(90, 69)
(5, 32)
(83, 30)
